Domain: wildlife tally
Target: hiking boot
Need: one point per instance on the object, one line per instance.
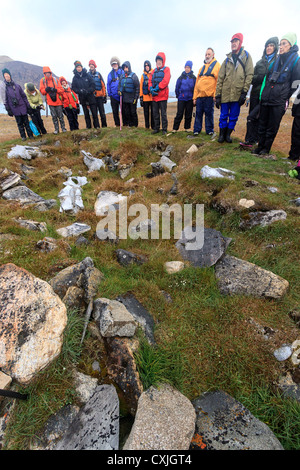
(227, 136)
(263, 152)
(155, 131)
(222, 134)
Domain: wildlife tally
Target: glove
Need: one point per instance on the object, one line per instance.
(242, 98)
(156, 88)
(49, 89)
(29, 111)
(120, 93)
(105, 99)
(141, 101)
(218, 101)
(134, 101)
(152, 91)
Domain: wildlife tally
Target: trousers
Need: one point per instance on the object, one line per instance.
(204, 106)
(229, 114)
(184, 108)
(160, 115)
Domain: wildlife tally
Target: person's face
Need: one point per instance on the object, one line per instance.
(7, 77)
(284, 46)
(209, 55)
(79, 68)
(48, 74)
(270, 49)
(187, 69)
(159, 63)
(64, 83)
(126, 69)
(147, 68)
(92, 67)
(235, 44)
(115, 66)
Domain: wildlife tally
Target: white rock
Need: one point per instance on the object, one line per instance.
(283, 353)
(174, 266)
(25, 152)
(208, 172)
(246, 203)
(192, 149)
(114, 318)
(91, 162)
(73, 230)
(107, 200)
(166, 163)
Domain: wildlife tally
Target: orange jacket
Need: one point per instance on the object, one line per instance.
(53, 83)
(206, 85)
(149, 96)
(69, 96)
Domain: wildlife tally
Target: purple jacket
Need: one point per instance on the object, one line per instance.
(15, 99)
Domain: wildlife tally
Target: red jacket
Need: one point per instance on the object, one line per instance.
(69, 96)
(163, 93)
(53, 83)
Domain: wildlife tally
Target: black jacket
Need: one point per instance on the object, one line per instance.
(261, 67)
(296, 106)
(276, 93)
(129, 97)
(83, 84)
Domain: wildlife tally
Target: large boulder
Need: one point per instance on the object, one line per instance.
(236, 276)
(225, 424)
(165, 420)
(32, 322)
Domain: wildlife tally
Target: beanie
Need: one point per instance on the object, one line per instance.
(115, 60)
(77, 62)
(30, 87)
(6, 71)
(189, 63)
(92, 62)
(291, 37)
(238, 36)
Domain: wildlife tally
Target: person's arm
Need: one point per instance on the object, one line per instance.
(249, 70)
(166, 80)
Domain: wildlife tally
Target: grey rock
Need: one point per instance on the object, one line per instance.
(165, 420)
(208, 172)
(214, 247)
(289, 388)
(8, 179)
(81, 240)
(225, 424)
(45, 205)
(126, 257)
(296, 201)
(85, 386)
(73, 230)
(114, 318)
(283, 353)
(262, 218)
(25, 152)
(140, 314)
(96, 426)
(91, 162)
(106, 235)
(31, 225)
(107, 201)
(240, 277)
(23, 195)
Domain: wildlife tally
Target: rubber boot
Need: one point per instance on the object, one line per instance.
(227, 136)
(222, 134)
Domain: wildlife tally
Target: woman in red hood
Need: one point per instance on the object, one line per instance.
(159, 88)
(70, 104)
(53, 90)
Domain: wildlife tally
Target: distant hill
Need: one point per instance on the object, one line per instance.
(21, 72)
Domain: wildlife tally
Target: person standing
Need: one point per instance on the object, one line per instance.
(260, 70)
(113, 88)
(70, 104)
(100, 91)
(84, 86)
(204, 93)
(159, 88)
(281, 81)
(234, 80)
(16, 104)
(129, 89)
(51, 88)
(145, 96)
(36, 103)
(184, 91)
(294, 153)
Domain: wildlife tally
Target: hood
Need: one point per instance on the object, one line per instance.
(163, 56)
(46, 70)
(127, 64)
(61, 79)
(147, 62)
(273, 40)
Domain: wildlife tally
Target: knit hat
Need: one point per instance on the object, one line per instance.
(189, 63)
(6, 71)
(30, 87)
(77, 62)
(92, 62)
(238, 36)
(115, 60)
(291, 37)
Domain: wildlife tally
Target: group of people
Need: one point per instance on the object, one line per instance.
(272, 81)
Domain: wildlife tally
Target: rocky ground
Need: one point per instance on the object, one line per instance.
(202, 342)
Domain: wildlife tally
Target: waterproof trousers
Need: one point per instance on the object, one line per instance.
(184, 109)
(160, 115)
(204, 106)
(269, 123)
(229, 115)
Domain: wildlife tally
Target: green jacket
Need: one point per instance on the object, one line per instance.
(233, 79)
(34, 100)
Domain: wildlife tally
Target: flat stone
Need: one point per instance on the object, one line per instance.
(31, 224)
(173, 267)
(165, 420)
(114, 318)
(213, 248)
(127, 257)
(73, 230)
(23, 195)
(262, 218)
(25, 152)
(208, 172)
(96, 426)
(107, 201)
(225, 424)
(246, 203)
(236, 276)
(8, 179)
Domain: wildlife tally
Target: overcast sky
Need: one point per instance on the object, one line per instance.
(58, 33)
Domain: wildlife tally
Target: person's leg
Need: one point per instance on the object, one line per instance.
(134, 116)
(276, 114)
(27, 126)
(188, 114)
(151, 113)
(115, 109)
(87, 116)
(294, 153)
(20, 125)
(164, 117)
(60, 116)
(69, 113)
(234, 112)
(156, 115)
(54, 119)
(179, 115)
(223, 121)
(146, 108)
(252, 126)
(209, 114)
(94, 112)
(199, 115)
(100, 106)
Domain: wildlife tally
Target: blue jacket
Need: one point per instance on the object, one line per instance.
(185, 86)
(113, 83)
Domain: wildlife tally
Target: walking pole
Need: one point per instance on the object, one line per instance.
(121, 120)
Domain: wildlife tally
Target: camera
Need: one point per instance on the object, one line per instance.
(15, 102)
